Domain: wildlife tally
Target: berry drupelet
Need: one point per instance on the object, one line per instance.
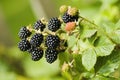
(69, 18)
(37, 54)
(52, 41)
(36, 40)
(24, 45)
(51, 55)
(39, 25)
(54, 24)
(24, 33)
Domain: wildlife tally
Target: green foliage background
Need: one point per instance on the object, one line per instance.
(15, 65)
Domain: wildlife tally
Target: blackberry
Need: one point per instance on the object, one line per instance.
(36, 40)
(24, 33)
(24, 45)
(69, 18)
(54, 24)
(51, 55)
(37, 54)
(39, 25)
(52, 41)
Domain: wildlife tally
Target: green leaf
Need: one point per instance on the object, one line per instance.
(89, 59)
(84, 44)
(108, 26)
(88, 74)
(113, 31)
(93, 38)
(71, 41)
(108, 64)
(64, 57)
(103, 46)
(115, 36)
(98, 77)
(86, 30)
(117, 25)
(88, 33)
(78, 63)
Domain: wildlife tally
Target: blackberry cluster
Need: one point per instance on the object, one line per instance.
(39, 25)
(54, 24)
(32, 45)
(46, 41)
(36, 40)
(69, 18)
(52, 41)
(24, 33)
(51, 55)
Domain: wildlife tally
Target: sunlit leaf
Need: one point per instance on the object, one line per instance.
(71, 41)
(89, 59)
(108, 64)
(98, 77)
(103, 46)
(88, 33)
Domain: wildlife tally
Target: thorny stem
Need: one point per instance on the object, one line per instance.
(98, 27)
(88, 21)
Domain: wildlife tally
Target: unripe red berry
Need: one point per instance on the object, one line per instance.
(70, 26)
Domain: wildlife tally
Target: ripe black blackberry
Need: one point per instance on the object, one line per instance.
(54, 24)
(24, 45)
(51, 55)
(69, 18)
(24, 33)
(36, 40)
(52, 41)
(39, 25)
(37, 54)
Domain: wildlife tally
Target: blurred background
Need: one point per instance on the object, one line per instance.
(16, 65)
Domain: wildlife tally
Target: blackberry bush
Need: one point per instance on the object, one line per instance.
(51, 55)
(39, 25)
(69, 18)
(24, 45)
(24, 33)
(87, 51)
(36, 54)
(36, 40)
(52, 41)
(54, 24)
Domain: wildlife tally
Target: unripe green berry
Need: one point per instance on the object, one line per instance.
(72, 11)
(63, 8)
